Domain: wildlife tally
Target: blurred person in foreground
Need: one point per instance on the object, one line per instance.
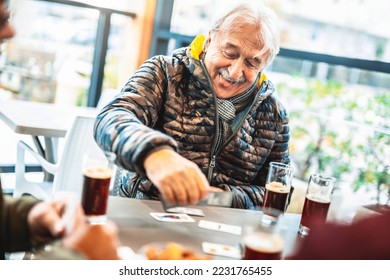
(205, 118)
(26, 223)
(365, 239)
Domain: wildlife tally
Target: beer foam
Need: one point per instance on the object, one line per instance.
(98, 172)
(264, 242)
(318, 199)
(277, 187)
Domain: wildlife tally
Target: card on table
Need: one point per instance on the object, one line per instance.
(221, 250)
(223, 199)
(220, 227)
(171, 217)
(186, 210)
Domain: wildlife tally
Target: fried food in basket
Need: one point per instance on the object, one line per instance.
(172, 251)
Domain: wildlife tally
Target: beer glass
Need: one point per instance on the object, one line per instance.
(262, 246)
(264, 242)
(277, 189)
(97, 171)
(317, 201)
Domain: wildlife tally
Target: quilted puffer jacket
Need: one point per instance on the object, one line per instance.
(170, 101)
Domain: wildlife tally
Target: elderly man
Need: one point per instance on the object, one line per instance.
(205, 118)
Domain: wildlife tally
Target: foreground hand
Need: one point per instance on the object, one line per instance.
(178, 179)
(45, 222)
(95, 242)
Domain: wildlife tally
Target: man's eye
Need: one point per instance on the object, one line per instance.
(253, 63)
(230, 55)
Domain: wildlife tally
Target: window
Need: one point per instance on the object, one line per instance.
(66, 51)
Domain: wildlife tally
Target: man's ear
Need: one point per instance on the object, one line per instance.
(207, 42)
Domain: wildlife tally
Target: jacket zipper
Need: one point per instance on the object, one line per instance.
(213, 147)
(211, 168)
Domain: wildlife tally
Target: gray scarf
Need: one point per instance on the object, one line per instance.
(227, 110)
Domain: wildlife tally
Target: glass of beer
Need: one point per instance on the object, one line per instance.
(317, 201)
(277, 189)
(264, 242)
(262, 246)
(97, 170)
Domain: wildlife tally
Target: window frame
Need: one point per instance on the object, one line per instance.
(162, 35)
(101, 45)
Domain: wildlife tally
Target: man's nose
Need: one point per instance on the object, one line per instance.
(236, 69)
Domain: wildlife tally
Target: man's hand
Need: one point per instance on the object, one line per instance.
(95, 242)
(45, 222)
(179, 180)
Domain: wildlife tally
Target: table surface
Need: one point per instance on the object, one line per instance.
(40, 119)
(137, 227)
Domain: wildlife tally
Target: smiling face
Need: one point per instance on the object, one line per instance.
(232, 59)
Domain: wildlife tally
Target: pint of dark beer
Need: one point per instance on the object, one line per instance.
(314, 210)
(95, 192)
(97, 170)
(277, 188)
(275, 196)
(262, 246)
(317, 201)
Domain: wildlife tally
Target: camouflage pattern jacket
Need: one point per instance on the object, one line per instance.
(170, 101)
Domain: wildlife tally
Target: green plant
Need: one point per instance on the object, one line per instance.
(340, 130)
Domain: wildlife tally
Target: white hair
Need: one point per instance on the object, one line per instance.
(256, 14)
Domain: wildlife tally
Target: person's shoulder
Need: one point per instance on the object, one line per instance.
(175, 59)
(278, 106)
(271, 102)
(180, 53)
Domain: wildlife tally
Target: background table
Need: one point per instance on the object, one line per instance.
(50, 121)
(137, 227)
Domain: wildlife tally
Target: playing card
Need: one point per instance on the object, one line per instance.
(221, 250)
(223, 199)
(170, 217)
(220, 227)
(186, 210)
